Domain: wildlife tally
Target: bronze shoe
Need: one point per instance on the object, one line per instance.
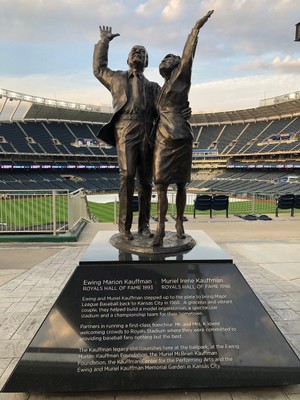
(158, 239)
(126, 235)
(146, 232)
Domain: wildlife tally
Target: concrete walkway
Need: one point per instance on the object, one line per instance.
(266, 252)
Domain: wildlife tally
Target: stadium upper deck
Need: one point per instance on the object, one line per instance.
(267, 130)
(16, 106)
(44, 134)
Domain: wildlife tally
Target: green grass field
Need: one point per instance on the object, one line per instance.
(32, 211)
(39, 210)
(104, 212)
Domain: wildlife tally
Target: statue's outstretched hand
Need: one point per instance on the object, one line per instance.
(203, 20)
(105, 33)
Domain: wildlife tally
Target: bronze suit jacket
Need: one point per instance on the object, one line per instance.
(117, 83)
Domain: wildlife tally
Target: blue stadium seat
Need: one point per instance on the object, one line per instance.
(285, 202)
(220, 202)
(297, 201)
(202, 203)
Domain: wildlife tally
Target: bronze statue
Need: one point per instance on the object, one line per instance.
(174, 137)
(129, 129)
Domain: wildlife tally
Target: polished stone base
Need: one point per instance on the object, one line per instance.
(143, 245)
(128, 324)
(205, 250)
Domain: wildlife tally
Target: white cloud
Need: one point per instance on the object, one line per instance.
(242, 38)
(221, 95)
(240, 93)
(81, 87)
(62, 20)
(149, 7)
(173, 9)
(287, 65)
(252, 65)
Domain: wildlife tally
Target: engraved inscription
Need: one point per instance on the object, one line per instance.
(118, 316)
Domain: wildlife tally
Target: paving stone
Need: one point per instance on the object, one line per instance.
(292, 389)
(12, 348)
(288, 315)
(6, 374)
(294, 305)
(259, 394)
(289, 327)
(29, 327)
(43, 305)
(21, 307)
(4, 305)
(216, 395)
(14, 396)
(9, 323)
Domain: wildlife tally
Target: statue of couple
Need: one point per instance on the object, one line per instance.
(150, 130)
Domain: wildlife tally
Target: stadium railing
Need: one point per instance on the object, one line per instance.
(238, 204)
(42, 211)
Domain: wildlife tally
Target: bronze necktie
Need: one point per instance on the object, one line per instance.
(136, 91)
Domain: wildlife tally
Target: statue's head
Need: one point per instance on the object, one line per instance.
(168, 64)
(138, 58)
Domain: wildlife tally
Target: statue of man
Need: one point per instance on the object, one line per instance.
(174, 137)
(129, 129)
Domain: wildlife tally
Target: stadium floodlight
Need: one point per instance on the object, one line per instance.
(297, 34)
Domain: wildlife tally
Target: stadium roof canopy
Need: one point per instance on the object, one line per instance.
(16, 106)
(284, 106)
(21, 107)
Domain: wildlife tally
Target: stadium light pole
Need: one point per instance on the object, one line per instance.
(297, 34)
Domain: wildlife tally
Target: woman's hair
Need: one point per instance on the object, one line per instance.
(166, 72)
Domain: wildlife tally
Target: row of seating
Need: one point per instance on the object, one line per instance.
(206, 202)
(275, 182)
(221, 202)
(202, 203)
(250, 138)
(58, 138)
(53, 138)
(99, 181)
(288, 202)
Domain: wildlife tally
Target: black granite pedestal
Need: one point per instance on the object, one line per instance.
(136, 322)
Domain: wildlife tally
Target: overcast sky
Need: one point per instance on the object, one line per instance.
(246, 51)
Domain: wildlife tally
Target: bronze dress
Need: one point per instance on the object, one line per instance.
(174, 138)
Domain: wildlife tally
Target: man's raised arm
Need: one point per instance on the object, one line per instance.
(106, 33)
(100, 59)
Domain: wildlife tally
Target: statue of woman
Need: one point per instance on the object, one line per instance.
(174, 137)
